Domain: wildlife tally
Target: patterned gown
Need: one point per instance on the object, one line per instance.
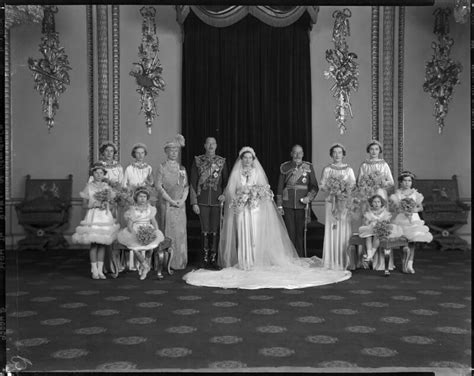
(172, 183)
(337, 232)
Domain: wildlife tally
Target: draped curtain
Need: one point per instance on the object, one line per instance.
(247, 83)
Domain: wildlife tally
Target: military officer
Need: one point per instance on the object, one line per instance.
(208, 179)
(297, 186)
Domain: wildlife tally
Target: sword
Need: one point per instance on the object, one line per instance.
(221, 222)
(306, 212)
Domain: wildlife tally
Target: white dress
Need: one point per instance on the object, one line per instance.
(139, 218)
(414, 229)
(114, 173)
(137, 174)
(98, 225)
(371, 165)
(372, 217)
(337, 232)
(255, 249)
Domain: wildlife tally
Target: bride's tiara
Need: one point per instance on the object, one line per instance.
(247, 149)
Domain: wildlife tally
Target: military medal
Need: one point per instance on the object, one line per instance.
(304, 180)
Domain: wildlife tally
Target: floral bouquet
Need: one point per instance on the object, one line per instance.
(251, 196)
(369, 184)
(340, 191)
(146, 234)
(104, 197)
(407, 207)
(123, 197)
(382, 229)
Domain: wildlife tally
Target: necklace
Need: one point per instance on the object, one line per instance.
(342, 166)
(140, 165)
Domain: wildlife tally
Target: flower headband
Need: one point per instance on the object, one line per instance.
(374, 142)
(247, 149)
(141, 190)
(104, 144)
(177, 142)
(405, 174)
(98, 166)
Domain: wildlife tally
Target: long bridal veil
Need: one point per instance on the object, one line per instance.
(276, 263)
(272, 244)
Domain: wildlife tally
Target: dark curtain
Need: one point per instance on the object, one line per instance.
(247, 84)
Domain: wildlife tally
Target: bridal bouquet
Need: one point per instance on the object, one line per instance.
(251, 196)
(340, 192)
(146, 234)
(104, 197)
(407, 207)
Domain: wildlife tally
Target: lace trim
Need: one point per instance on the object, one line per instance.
(342, 167)
(140, 165)
(374, 161)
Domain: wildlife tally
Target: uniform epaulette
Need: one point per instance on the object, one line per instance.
(285, 167)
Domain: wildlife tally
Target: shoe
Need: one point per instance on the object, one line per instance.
(386, 273)
(410, 267)
(145, 271)
(95, 276)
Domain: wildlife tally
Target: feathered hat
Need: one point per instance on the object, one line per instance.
(177, 142)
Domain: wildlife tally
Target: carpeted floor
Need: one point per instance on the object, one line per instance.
(60, 319)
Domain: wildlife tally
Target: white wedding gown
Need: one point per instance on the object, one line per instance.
(255, 250)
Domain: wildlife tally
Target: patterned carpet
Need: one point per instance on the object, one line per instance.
(60, 319)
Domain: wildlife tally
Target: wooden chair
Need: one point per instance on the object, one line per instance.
(44, 212)
(390, 244)
(355, 252)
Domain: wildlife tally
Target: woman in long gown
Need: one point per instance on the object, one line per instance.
(137, 174)
(375, 164)
(255, 250)
(173, 186)
(337, 229)
(114, 260)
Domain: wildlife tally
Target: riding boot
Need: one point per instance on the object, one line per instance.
(205, 250)
(213, 246)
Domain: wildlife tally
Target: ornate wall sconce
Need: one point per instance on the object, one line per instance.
(20, 14)
(50, 72)
(462, 10)
(148, 70)
(442, 72)
(342, 68)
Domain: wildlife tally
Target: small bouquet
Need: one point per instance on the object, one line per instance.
(104, 197)
(382, 229)
(146, 234)
(340, 191)
(251, 196)
(407, 207)
(123, 197)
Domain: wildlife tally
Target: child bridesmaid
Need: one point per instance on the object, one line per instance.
(377, 213)
(98, 227)
(138, 217)
(408, 203)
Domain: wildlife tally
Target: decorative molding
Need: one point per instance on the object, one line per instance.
(401, 67)
(116, 78)
(374, 55)
(388, 78)
(90, 80)
(103, 71)
(8, 119)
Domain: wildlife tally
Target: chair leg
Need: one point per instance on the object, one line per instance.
(159, 261)
(386, 253)
(170, 257)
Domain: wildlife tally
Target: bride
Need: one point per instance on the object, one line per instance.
(255, 249)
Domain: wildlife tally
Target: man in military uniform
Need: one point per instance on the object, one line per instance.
(297, 186)
(208, 179)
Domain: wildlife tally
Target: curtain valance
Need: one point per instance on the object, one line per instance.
(223, 16)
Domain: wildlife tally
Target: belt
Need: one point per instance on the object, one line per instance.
(297, 187)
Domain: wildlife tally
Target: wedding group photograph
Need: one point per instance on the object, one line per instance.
(238, 188)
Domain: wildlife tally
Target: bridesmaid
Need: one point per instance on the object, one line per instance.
(173, 187)
(337, 231)
(137, 174)
(370, 165)
(375, 163)
(114, 261)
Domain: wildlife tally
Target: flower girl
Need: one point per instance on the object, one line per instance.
(142, 233)
(98, 227)
(376, 217)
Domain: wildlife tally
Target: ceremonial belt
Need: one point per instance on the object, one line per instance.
(296, 187)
